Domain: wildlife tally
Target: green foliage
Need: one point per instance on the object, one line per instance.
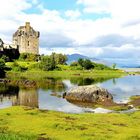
(86, 64)
(16, 67)
(2, 64)
(76, 68)
(51, 62)
(28, 57)
(2, 68)
(74, 64)
(60, 58)
(114, 66)
(101, 67)
(5, 58)
(81, 62)
(47, 63)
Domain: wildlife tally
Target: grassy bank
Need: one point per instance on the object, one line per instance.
(65, 71)
(38, 74)
(18, 123)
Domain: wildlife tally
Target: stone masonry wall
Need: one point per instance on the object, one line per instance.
(27, 39)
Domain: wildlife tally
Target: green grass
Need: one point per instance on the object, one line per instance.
(38, 74)
(132, 98)
(17, 123)
(21, 63)
(66, 72)
(75, 76)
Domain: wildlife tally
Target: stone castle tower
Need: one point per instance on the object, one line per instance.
(27, 39)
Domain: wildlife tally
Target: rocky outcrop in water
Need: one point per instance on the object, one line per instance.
(90, 94)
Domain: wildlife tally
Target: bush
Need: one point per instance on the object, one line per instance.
(101, 67)
(51, 62)
(17, 68)
(2, 68)
(86, 64)
(28, 57)
(74, 64)
(5, 58)
(2, 64)
(76, 68)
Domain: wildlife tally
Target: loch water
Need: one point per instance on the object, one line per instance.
(49, 95)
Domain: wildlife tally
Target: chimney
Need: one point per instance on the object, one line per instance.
(27, 25)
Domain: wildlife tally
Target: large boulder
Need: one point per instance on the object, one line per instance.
(90, 94)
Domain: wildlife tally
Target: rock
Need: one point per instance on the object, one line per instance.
(90, 94)
(5, 81)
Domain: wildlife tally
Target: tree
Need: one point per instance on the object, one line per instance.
(74, 64)
(81, 62)
(2, 64)
(53, 61)
(50, 62)
(87, 64)
(60, 59)
(2, 67)
(114, 66)
(47, 62)
(28, 57)
(5, 58)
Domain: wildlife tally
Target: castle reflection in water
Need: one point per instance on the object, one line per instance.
(22, 97)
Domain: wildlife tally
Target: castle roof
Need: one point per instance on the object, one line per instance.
(25, 30)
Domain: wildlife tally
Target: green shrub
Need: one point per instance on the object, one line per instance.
(28, 57)
(16, 67)
(2, 68)
(2, 64)
(74, 64)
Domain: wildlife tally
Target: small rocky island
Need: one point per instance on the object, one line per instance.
(90, 94)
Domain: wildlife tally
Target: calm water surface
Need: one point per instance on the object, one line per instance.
(50, 96)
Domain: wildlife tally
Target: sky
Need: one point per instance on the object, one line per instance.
(105, 29)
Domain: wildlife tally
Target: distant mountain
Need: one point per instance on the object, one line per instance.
(125, 63)
(75, 57)
(121, 63)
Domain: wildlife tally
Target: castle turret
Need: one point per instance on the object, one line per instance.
(27, 26)
(27, 39)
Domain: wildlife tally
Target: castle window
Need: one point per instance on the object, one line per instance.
(28, 43)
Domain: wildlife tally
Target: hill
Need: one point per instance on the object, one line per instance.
(75, 57)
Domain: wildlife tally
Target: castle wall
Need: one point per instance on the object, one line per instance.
(27, 39)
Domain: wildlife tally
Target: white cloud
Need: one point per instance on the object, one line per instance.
(58, 50)
(10, 8)
(118, 36)
(73, 14)
(122, 10)
(95, 6)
